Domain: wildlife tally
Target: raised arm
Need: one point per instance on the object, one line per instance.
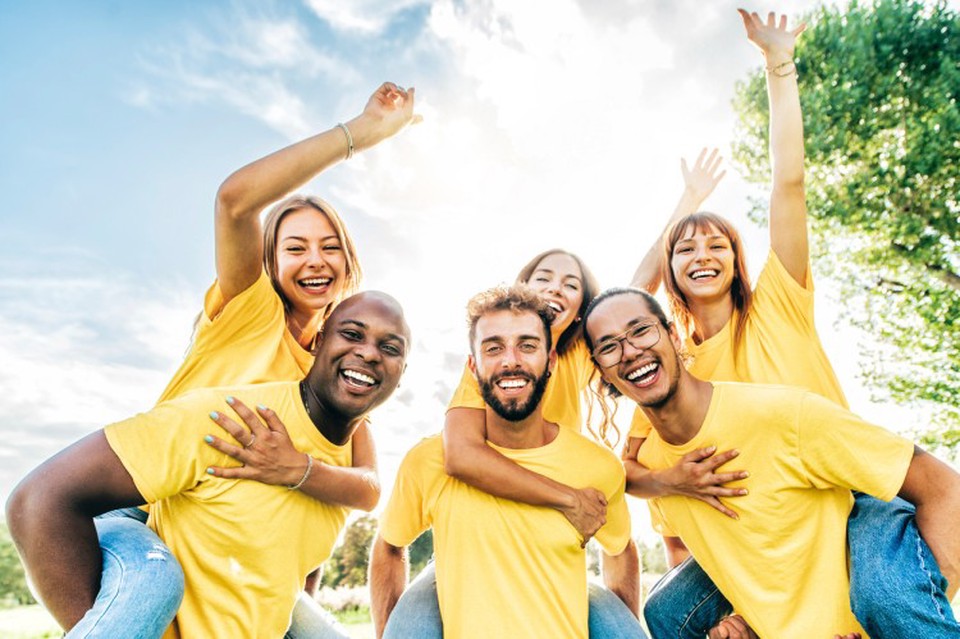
(50, 515)
(467, 457)
(698, 184)
(389, 570)
(621, 574)
(696, 475)
(934, 489)
(269, 456)
(788, 206)
(245, 193)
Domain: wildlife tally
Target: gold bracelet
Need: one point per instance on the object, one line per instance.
(780, 73)
(306, 474)
(346, 132)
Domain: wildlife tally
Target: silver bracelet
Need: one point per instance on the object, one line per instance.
(346, 132)
(306, 474)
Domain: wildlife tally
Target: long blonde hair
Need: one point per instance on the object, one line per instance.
(271, 226)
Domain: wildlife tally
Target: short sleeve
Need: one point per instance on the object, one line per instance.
(657, 521)
(248, 316)
(406, 514)
(838, 448)
(614, 535)
(163, 449)
(640, 426)
(780, 295)
(467, 394)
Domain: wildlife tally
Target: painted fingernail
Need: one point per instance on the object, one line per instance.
(744, 491)
(230, 399)
(209, 471)
(214, 415)
(208, 439)
(746, 474)
(261, 407)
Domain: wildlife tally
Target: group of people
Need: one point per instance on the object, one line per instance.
(783, 513)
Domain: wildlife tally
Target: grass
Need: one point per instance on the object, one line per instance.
(33, 622)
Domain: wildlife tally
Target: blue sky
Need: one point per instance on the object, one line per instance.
(547, 124)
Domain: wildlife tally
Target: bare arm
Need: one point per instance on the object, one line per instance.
(621, 574)
(271, 458)
(245, 193)
(788, 206)
(50, 515)
(675, 550)
(389, 571)
(695, 475)
(698, 184)
(467, 457)
(934, 488)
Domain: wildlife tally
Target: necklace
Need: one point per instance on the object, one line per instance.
(305, 394)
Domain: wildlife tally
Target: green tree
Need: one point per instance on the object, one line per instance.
(879, 84)
(347, 565)
(13, 581)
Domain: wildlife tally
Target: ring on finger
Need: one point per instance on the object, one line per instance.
(253, 438)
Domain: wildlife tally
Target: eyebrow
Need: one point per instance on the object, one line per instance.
(303, 239)
(634, 322)
(550, 271)
(359, 324)
(521, 338)
(709, 237)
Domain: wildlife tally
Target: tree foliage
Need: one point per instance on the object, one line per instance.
(879, 84)
(13, 581)
(348, 564)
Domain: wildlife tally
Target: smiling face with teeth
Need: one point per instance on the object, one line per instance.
(558, 279)
(311, 265)
(360, 357)
(647, 376)
(703, 263)
(511, 362)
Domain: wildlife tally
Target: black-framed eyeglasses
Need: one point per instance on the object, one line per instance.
(609, 352)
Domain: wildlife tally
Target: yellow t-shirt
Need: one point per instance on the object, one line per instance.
(561, 399)
(780, 344)
(246, 342)
(245, 547)
(783, 565)
(506, 569)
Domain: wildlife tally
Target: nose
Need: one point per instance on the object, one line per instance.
(700, 253)
(509, 359)
(630, 352)
(367, 351)
(315, 257)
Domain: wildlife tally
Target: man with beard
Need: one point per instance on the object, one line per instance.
(245, 546)
(506, 569)
(783, 563)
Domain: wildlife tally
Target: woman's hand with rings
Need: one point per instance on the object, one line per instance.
(264, 449)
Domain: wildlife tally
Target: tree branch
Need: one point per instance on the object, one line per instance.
(939, 271)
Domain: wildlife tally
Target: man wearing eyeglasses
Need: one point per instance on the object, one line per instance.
(507, 569)
(783, 563)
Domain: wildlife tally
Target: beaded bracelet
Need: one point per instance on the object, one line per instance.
(306, 474)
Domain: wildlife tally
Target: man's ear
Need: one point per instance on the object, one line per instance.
(472, 364)
(675, 338)
(552, 360)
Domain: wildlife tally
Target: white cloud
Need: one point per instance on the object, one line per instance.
(367, 17)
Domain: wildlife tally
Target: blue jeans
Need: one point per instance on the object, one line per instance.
(896, 589)
(417, 613)
(311, 621)
(141, 585)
